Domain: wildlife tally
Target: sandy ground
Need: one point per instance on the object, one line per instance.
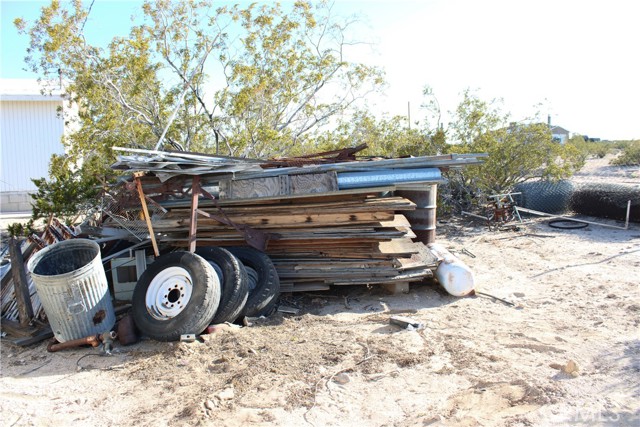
(566, 352)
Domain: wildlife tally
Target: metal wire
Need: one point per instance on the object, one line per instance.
(121, 208)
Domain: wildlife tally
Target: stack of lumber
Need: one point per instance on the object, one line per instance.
(318, 233)
(314, 241)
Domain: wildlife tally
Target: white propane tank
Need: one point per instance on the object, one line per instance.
(454, 275)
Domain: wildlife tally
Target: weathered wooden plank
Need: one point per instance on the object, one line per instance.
(279, 221)
(413, 276)
(143, 203)
(293, 198)
(20, 283)
(8, 277)
(16, 329)
(377, 204)
(43, 333)
(421, 259)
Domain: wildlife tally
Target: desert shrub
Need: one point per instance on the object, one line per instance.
(518, 151)
(66, 192)
(630, 155)
(621, 145)
(585, 149)
(600, 149)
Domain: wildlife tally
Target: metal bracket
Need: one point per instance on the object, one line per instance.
(254, 238)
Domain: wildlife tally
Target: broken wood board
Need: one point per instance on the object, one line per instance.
(351, 206)
(293, 198)
(23, 336)
(273, 221)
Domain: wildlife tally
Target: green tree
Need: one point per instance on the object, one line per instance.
(517, 151)
(291, 77)
(280, 77)
(284, 74)
(389, 137)
(116, 95)
(67, 193)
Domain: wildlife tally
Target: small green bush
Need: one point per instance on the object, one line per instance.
(630, 155)
(18, 229)
(599, 149)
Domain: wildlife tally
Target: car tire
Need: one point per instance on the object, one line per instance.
(233, 279)
(179, 293)
(264, 284)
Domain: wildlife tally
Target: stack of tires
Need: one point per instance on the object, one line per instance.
(183, 292)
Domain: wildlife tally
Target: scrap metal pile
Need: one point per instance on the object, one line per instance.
(194, 240)
(323, 220)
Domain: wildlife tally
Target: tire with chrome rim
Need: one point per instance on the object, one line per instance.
(178, 294)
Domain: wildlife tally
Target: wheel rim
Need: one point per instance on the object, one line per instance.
(169, 293)
(252, 275)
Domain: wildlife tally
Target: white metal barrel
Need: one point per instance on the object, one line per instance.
(72, 286)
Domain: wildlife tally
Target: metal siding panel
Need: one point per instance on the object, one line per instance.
(74, 300)
(30, 133)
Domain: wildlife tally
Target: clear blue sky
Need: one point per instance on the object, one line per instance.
(578, 58)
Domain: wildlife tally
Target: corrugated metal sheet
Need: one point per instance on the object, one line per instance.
(30, 132)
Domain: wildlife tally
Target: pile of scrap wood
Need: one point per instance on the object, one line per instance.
(324, 220)
(292, 224)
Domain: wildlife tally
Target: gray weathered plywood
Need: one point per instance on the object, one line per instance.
(283, 185)
(255, 188)
(314, 183)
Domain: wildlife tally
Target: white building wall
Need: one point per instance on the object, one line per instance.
(30, 132)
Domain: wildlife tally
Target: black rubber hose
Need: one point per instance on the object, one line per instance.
(567, 224)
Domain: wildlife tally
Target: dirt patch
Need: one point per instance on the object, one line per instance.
(478, 361)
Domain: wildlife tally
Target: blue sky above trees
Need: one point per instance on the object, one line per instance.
(577, 59)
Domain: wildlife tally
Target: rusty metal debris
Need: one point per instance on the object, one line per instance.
(93, 340)
(406, 322)
(568, 218)
(334, 156)
(500, 210)
(324, 219)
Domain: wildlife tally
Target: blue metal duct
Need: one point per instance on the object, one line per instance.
(383, 177)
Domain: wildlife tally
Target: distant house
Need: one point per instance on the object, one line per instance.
(31, 129)
(559, 134)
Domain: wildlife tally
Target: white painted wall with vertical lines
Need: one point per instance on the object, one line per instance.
(30, 132)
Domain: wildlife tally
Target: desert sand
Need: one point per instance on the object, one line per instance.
(563, 348)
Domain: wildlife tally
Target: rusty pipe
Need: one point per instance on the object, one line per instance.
(92, 340)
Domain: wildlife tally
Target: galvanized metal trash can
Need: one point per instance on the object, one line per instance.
(72, 286)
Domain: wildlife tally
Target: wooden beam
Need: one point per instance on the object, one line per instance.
(8, 277)
(20, 283)
(143, 202)
(193, 225)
